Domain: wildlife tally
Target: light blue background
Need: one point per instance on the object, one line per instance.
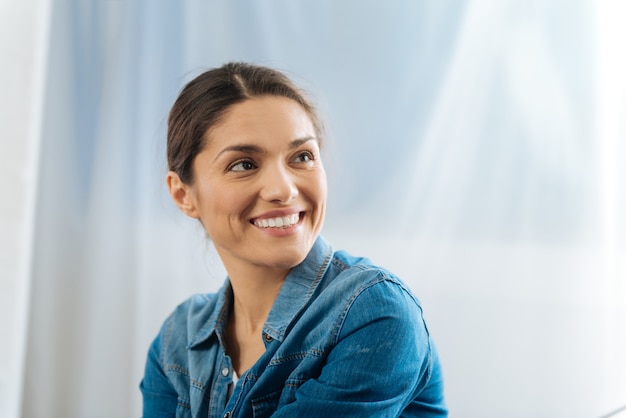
(464, 153)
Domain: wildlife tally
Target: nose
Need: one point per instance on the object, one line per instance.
(278, 185)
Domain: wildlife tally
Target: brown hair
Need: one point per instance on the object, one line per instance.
(204, 101)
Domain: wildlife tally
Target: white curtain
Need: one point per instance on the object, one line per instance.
(474, 147)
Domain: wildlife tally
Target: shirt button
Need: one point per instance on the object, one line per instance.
(268, 338)
(227, 414)
(225, 371)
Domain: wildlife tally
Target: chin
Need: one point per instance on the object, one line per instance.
(287, 259)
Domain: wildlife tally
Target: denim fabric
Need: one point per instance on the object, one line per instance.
(344, 338)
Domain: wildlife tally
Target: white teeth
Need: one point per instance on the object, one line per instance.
(280, 222)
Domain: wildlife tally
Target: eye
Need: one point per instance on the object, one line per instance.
(242, 165)
(304, 157)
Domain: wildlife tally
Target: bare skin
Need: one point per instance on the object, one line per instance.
(244, 336)
(260, 193)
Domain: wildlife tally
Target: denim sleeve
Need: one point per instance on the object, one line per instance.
(382, 364)
(159, 398)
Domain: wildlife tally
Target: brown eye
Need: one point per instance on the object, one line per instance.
(304, 157)
(244, 165)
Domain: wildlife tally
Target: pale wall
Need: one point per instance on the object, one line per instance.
(22, 30)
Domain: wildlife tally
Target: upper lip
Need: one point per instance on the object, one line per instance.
(278, 213)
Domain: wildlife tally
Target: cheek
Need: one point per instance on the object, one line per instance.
(317, 187)
(228, 202)
(322, 184)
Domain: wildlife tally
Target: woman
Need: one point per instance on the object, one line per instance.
(297, 330)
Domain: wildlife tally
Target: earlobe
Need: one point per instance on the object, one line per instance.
(181, 194)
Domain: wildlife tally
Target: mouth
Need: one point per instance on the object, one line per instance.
(278, 222)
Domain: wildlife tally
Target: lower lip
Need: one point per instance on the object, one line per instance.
(282, 232)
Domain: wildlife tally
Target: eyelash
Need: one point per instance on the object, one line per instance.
(242, 162)
(251, 165)
(308, 154)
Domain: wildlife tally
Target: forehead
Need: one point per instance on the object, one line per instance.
(262, 118)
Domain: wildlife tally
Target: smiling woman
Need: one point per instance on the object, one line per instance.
(298, 329)
(261, 164)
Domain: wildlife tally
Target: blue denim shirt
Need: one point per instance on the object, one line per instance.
(344, 338)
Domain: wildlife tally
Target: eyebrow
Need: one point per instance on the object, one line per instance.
(254, 149)
(300, 141)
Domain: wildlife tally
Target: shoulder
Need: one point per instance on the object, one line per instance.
(358, 274)
(377, 312)
(367, 292)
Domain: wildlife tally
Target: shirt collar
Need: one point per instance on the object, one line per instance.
(217, 318)
(300, 284)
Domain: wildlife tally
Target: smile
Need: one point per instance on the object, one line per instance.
(278, 222)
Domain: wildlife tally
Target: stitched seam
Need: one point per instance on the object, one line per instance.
(184, 403)
(296, 356)
(340, 264)
(344, 313)
(320, 272)
(206, 325)
(166, 341)
(312, 289)
(295, 383)
(174, 368)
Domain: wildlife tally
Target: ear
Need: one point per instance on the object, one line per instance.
(182, 194)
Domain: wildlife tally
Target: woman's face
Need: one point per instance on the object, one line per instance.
(259, 185)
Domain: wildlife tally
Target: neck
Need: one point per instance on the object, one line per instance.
(254, 292)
